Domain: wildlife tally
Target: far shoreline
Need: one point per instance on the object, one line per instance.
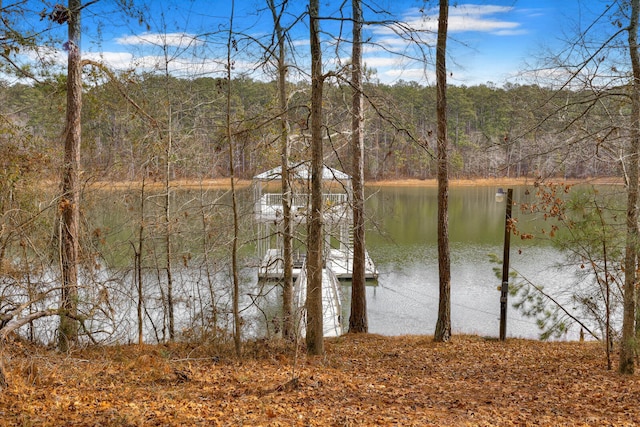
(225, 183)
(490, 182)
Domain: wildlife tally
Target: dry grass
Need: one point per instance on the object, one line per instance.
(362, 380)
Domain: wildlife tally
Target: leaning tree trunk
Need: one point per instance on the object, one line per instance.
(69, 206)
(314, 332)
(443, 325)
(628, 344)
(358, 318)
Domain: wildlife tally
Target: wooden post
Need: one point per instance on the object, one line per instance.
(504, 290)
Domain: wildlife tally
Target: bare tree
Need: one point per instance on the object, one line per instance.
(168, 231)
(443, 325)
(69, 205)
(315, 240)
(138, 260)
(237, 324)
(629, 340)
(288, 326)
(358, 318)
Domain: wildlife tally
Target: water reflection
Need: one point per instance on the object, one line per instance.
(401, 240)
(403, 245)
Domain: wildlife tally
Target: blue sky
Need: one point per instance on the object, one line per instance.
(489, 41)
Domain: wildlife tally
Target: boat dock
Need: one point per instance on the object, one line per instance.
(338, 251)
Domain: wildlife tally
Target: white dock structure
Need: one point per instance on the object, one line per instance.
(338, 236)
(338, 223)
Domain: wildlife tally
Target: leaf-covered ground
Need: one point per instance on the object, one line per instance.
(362, 380)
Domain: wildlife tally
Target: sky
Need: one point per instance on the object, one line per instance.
(489, 41)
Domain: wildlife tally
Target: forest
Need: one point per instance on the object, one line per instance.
(511, 131)
(128, 242)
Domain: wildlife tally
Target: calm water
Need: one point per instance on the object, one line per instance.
(403, 242)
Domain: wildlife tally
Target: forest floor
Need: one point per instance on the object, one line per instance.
(362, 380)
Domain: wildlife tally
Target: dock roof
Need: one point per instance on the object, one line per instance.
(303, 171)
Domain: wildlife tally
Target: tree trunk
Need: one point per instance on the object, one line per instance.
(4, 378)
(314, 332)
(443, 325)
(70, 201)
(288, 328)
(237, 321)
(168, 231)
(358, 318)
(138, 260)
(628, 344)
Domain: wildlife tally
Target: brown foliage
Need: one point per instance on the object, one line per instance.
(361, 380)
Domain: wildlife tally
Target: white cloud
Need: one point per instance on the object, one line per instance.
(393, 52)
(521, 32)
(183, 67)
(378, 61)
(116, 60)
(160, 39)
(472, 29)
(464, 18)
(479, 9)
(418, 74)
(43, 54)
(417, 33)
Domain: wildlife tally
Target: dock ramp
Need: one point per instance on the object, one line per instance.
(331, 301)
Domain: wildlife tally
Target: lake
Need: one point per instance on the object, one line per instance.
(402, 241)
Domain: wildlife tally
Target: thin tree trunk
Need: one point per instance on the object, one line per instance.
(4, 378)
(358, 318)
(168, 220)
(629, 342)
(138, 261)
(70, 201)
(288, 328)
(607, 301)
(168, 231)
(443, 325)
(237, 337)
(206, 248)
(314, 332)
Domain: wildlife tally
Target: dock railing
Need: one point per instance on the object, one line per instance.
(302, 200)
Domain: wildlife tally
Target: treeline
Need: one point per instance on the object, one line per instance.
(510, 131)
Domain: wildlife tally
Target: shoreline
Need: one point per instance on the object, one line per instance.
(488, 182)
(225, 183)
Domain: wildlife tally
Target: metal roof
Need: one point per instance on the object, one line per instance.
(303, 171)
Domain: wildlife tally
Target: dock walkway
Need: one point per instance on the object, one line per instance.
(331, 301)
(338, 261)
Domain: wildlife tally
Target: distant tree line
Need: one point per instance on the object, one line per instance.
(510, 131)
